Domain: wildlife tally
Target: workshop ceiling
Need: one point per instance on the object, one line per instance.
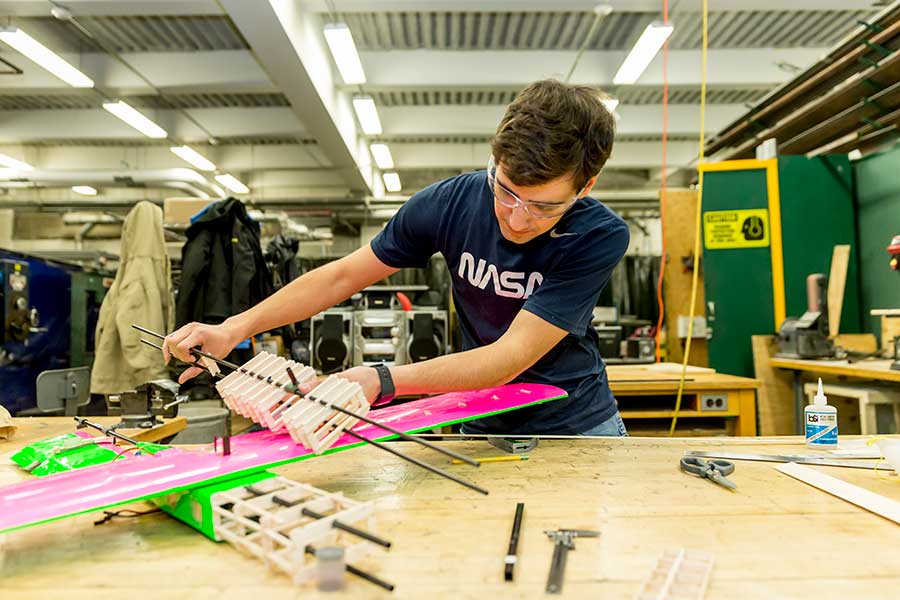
(251, 85)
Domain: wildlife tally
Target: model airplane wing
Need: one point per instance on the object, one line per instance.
(175, 470)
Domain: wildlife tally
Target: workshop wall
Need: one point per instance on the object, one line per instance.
(877, 181)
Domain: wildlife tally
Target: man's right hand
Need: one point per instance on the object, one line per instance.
(217, 340)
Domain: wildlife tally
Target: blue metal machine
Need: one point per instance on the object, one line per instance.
(36, 321)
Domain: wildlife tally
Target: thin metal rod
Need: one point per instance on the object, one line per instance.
(195, 351)
(104, 430)
(348, 528)
(359, 572)
(418, 462)
(402, 434)
(148, 332)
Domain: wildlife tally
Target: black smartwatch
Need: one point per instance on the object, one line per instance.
(387, 384)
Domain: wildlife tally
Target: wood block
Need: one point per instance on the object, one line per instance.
(857, 342)
(775, 395)
(890, 328)
(837, 281)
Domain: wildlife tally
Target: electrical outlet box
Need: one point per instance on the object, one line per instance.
(713, 402)
(700, 328)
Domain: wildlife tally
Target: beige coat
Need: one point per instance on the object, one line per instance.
(141, 294)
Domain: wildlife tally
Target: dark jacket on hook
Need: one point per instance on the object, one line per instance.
(222, 267)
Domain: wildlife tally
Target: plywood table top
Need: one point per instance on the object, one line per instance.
(774, 538)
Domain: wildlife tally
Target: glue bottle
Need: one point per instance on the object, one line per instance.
(821, 422)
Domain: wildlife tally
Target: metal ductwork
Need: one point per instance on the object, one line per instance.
(850, 95)
(186, 180)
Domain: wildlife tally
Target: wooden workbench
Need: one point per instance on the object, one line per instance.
(775, 538)
(877, 370)
(872, 370)
(649, 391)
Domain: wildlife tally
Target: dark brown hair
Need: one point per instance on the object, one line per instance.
(552, 129)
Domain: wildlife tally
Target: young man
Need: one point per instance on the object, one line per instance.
(528, 252)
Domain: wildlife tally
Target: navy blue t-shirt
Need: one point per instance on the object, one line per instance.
(557, 276)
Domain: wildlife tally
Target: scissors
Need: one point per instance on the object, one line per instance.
(715, 470)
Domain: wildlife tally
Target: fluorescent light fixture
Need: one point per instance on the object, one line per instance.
(653, 38)
(392, 182)
(340, 42)
(12, 163)
(84, 190)
(43, 56)
(610, 104)
(382, 155)
(135, 119)
(232, 183)
(188, 154)
(367, 115)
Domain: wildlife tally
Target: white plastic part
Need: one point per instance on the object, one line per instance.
(256, 391)
(253, 521)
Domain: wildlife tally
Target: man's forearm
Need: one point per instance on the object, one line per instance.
(473, 369)
(528, 338)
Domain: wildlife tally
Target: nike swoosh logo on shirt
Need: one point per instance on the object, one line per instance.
(553, 234)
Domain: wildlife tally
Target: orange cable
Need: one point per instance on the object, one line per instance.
(662, 190)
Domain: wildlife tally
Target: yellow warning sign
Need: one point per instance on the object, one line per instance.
(736, 229)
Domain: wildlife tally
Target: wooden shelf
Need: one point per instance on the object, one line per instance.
(668, 414)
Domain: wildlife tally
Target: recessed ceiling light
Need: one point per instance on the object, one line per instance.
(232, 183)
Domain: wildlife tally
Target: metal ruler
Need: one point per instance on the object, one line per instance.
(805, 459)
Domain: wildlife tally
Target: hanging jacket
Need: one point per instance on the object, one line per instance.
(222, 267)
(141, 293)
(281, 255)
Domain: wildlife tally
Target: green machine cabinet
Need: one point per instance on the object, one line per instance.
(767, 224)
(88, 290)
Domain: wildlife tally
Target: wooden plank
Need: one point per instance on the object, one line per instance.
(837, 281)
(890, 328)
(678, 236)
(746, 425)
(670, 386)
(168, 428)
(876, 503)
(857, 342)
(667, 414)
(775, 396)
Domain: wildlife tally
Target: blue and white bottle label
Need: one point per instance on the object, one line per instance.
(821, 428)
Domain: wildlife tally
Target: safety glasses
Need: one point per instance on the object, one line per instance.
(509, 199)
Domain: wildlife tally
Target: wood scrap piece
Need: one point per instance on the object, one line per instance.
(876, 503)
(837, 281)
(7, 428)
(775, 397)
